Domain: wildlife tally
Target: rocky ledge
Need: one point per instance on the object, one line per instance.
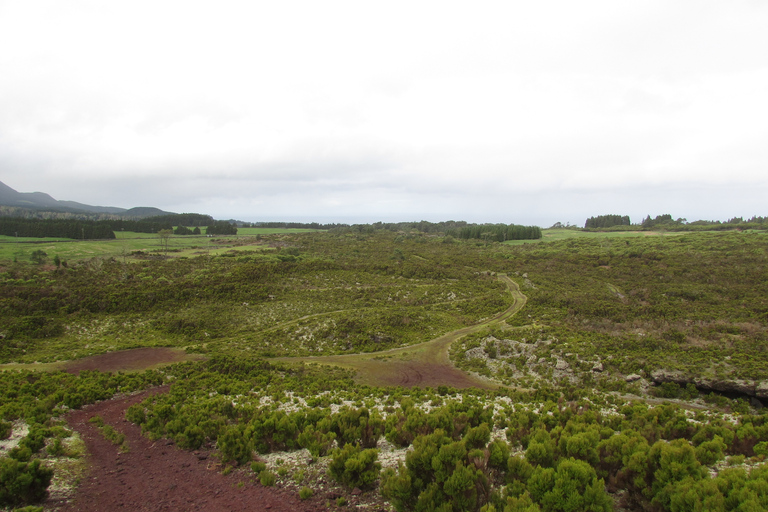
(754, 388)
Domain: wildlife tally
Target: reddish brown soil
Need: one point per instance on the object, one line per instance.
(424, 374)
(157, 476)
(129, 360)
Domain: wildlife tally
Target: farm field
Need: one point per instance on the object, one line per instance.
(400, 370)
(128, 243)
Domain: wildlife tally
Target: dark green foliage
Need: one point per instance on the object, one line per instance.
(357, 426)
(572, 485)
(710, 452)
(354, 466)
(541, 449)
(38, 256)
(23, 482)
(6, 429)
(497, 232)
(56, 228)
(317, 440)
(180, 219)
(221, 227)
(439, 471)
(607, 221)
(670, 463)
(234, 445)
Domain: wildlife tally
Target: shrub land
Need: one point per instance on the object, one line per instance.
(632, 378)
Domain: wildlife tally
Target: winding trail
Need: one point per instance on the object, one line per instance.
(156, 476)
(425, 364)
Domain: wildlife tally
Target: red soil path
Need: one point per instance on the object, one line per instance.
(157, 476)
(129, 360)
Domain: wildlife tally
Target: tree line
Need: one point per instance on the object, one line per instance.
(496, 232)
(667, 222)
(38, 228)
(607, 221)
(105, 229)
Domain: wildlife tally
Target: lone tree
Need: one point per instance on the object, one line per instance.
(164, 235)
(38, 256)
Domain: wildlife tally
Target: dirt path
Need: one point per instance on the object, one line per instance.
(425, 364)
(157, 476)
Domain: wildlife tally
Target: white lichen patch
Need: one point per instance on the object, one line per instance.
(18, 432)
(67, 470)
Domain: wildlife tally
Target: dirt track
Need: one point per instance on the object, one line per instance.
(424, 364)
(130, 360)
(157, 476)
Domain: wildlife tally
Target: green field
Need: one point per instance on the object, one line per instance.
(551, 235)
(596, 371)
(20, 249)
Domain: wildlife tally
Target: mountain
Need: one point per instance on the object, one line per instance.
(40, 201)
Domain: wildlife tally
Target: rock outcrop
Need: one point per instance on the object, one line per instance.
(753, 388)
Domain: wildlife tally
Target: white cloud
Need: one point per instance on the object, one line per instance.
(400, 109)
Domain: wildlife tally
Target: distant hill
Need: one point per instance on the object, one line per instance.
(39, 202)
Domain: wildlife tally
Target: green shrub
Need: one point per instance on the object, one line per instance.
(355, 467)
(234, 446)
(23, 482)
(258, 466)
(573, 485)
(710, 452)
(316, 441)
(6, 429)
(305, 493)
(267, 478)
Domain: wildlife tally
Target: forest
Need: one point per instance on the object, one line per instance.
(633, 376)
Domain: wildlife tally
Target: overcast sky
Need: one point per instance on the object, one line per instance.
(512, 111)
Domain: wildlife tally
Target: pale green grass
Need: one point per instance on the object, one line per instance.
(272, 231)
(377, 368)
(20, 249)
(550, 235)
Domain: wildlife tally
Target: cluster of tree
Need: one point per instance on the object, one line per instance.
(450, 227)
(105, 229)
(291, 225)
(607, 221)
(221, 227)
(183, 230)
(496, 232)
(56, 228)
(181, 219)
(661, 221)
(666, 222)
(31, 213)
(140, 226)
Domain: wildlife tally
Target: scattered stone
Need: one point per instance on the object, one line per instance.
(597, 367)
(632, 377)
(561, 365)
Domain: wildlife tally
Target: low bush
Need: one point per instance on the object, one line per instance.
(355, 467)
(23, 482)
